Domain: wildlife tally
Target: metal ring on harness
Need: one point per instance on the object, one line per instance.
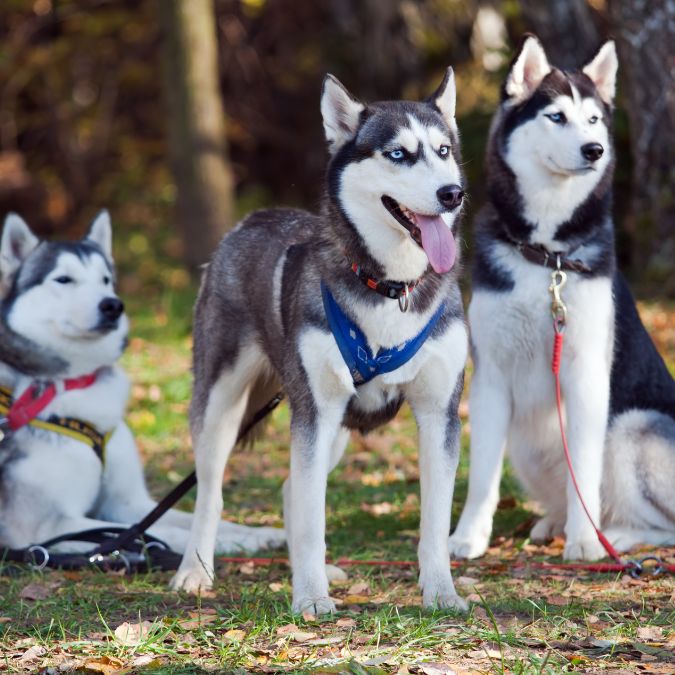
(638, 566)
(404, 298)
(45, 557)
(4, 428)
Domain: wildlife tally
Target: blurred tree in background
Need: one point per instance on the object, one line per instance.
(86, 122)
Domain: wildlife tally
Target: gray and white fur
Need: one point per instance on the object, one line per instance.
(550, 162)
(61, 298)
(260, 323)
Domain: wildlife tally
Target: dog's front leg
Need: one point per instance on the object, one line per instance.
(311, 445)
(439, 433)
(585, 384)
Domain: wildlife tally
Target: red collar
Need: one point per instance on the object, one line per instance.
(39, 395)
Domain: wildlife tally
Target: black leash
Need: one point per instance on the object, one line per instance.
(130, 548)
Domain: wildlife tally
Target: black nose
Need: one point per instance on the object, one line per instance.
(111, 308)
(450, 196)
(592, 151)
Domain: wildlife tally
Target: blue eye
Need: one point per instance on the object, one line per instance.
(64, 280)
(444, 150)
(106, 280)
(397, 155)
(557, 118)
(593, 119)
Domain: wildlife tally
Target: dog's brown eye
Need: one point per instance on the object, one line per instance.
(64, 280)
(106, 280)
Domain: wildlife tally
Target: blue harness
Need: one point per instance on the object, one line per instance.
(351, 341)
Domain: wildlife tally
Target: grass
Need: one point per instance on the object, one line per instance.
(521, 621)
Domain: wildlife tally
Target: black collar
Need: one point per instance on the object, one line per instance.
(540, 255)
(395, 290)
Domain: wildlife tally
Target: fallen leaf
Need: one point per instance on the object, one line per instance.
(557, 600)
(436, 669)
(302, 636)
(359, 588)
(466, 581)
(650, 633)
(308, 615)
(35, 592)
(34, 652)
(325, 641)
(355, 599)
(275, 586)
(235, 635)
(132, 634)
(197, 621)
(5, 619)
(247, 568)
(145, 660)
(345, 622)
(287, 629)
(104, 664)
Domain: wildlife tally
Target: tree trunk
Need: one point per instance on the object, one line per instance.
(645, 32)
(196, 125)
(565, 28)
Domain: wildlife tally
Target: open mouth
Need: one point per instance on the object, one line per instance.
(404, 216)
(431, 234)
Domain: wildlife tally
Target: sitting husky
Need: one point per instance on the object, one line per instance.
(68, 462)
(329, 307)
(550, 162)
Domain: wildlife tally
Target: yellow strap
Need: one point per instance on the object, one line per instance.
(63, 429)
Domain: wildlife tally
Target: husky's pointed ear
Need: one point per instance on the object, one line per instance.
(445, 97)
(100, 232)
(17, 244)
(528, 69)
(602, 71)
(340, 112)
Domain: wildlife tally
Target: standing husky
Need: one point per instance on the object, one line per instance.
(60, 298)
(385, 242)
(550, 162)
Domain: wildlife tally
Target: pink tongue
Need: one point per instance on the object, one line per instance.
(437, 242)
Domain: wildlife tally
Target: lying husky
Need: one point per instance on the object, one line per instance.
(75, 466)
(318, 304)
(550, 162)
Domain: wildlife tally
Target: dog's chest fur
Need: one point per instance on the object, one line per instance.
(514, 329)
(74, 471)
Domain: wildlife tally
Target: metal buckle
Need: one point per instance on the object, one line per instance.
(45, 557)
(404, 298)
(4, 428)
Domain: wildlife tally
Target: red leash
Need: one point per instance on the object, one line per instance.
(559, 313)
(38, 396)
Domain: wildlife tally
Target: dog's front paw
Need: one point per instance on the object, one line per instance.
(584, 549)
(316, 606)
(467, 547)
(447, 599)
(545, 529)
(191, 580)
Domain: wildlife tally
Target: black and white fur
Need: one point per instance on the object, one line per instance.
(60, 297)
(550, 162)
(260, 322)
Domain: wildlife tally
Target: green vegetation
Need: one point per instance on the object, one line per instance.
(522, 620)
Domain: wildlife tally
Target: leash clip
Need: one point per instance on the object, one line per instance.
(558, 307)
(637, 567)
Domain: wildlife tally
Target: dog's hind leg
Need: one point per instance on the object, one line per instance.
(637, 489)
(215, 432)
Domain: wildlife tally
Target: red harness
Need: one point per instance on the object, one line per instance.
(38, 396)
